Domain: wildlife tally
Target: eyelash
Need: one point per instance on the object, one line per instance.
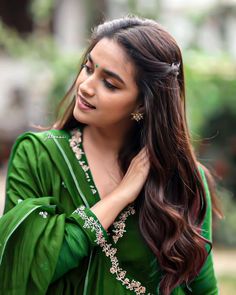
(87, 69)
(105, 82)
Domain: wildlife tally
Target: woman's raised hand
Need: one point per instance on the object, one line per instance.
(135, 177)
(126, 192)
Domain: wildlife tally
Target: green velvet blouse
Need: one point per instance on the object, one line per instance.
(52, 243)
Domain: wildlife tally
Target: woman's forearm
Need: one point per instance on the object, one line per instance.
(107, 209)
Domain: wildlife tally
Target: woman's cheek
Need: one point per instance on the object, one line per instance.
(80, 78)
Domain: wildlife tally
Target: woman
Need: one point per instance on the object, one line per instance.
(111, 200)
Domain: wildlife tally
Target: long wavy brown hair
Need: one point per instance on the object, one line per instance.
(173, 201)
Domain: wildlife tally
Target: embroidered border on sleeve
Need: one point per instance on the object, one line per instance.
(94, 225)
(119, 226)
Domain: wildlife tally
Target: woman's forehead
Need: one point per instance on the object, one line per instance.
(108, 54)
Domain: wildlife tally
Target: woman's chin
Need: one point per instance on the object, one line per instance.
(81, 117)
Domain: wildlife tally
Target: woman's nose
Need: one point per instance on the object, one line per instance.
(87, 88)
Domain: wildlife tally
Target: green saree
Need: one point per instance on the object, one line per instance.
(51, 242)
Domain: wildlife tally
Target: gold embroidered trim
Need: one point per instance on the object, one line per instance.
(75, 144)
(94, 225)
(119, 226)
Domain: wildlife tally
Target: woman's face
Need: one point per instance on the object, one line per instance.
(106, 93)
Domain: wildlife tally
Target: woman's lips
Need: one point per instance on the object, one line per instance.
(83, 104)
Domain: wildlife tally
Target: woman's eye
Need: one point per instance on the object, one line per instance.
(109, 85)
(87, 69)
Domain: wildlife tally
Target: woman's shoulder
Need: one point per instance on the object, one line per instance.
(202, 169)
(42, 136)
(38, 141)
(205, 176)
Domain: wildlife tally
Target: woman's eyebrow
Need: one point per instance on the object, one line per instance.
(107, 72)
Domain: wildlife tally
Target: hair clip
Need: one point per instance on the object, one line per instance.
(175, 68)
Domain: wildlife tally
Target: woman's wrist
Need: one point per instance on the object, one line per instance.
(107, 209)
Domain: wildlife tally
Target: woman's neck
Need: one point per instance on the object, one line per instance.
(107, 141)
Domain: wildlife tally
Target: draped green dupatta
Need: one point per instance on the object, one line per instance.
(29, 262)
(42, 192)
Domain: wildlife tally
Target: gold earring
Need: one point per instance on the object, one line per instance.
(137, 116)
